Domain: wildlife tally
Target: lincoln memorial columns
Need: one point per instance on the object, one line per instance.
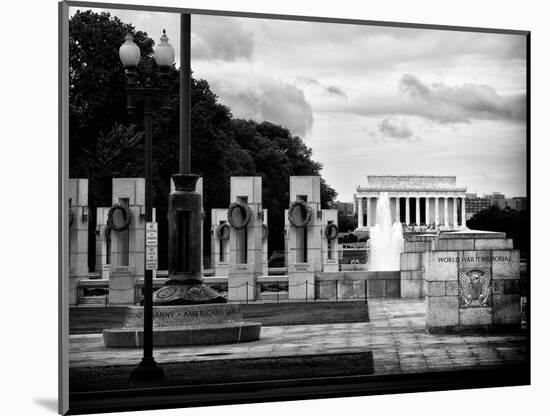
(463, 217)
(427, 207)
(360, 212)
(407, 210)
(369, 213)
(455, 212)
(446, 211)
(397, 210)
(449, 204)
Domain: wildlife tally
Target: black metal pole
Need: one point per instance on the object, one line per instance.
(148, 368)
(185, 93)
(148, 283)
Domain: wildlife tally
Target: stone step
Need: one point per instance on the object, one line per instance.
(204, 334)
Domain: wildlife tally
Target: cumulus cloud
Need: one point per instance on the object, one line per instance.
(439, 102)
(462, 103)
(225, 39)
(331, 90)
(269, 99)
(396, 129)
(334, 90)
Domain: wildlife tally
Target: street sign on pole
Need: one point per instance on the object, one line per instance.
(151, 238)
(151, 258)
(151, 246)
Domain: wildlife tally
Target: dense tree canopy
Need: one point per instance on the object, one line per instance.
(514, 223)
(346, 223)
(105, 141)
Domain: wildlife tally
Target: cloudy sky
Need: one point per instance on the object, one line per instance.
(371, 100)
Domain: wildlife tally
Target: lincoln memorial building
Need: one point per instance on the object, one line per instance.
(418, 202)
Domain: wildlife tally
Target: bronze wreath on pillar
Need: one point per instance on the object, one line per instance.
(222, 231)
(247, 215)
(331, 231)
(127, 217)
(265, 231)
(305, 208)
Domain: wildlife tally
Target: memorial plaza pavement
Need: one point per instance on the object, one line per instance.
(396, 335)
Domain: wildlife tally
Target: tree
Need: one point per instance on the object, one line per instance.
(97, 96)
(346, 223)
(514, 223)
(118, 153)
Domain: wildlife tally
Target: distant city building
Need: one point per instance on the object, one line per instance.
(518, 203)
(474, 204)
(497, 199)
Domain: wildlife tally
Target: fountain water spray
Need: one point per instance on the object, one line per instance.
(386, 239)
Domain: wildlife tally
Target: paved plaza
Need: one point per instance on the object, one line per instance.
(396, 335)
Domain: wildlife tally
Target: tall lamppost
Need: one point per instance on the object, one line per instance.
(164, 56)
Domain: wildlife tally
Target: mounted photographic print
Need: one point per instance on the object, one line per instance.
(264, 207)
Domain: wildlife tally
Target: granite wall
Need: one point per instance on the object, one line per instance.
(472, 282)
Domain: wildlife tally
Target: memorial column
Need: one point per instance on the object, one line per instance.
(417, 210)
(463, 218)
(397, 210)
(436, 210)
(369, 222)
(360, 213)
(407, 210)
(446, 212)
(427, 208)
(455, 212)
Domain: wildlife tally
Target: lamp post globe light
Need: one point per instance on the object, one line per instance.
(130, 56)
(164, 53)
(129, 52)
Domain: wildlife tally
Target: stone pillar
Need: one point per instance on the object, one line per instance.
(220, 251)
(463, 199)
(360, 212)
(446, 212)
(102, 264)
(407, 211)
(455, 212)
(427, 208)
(246, 245)
(301, 274)
(78, 235)
(329, 245)
(436, 210)
(127, 256)
(417, 203)
(369, 218)
(265, 235)
(397, 210)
